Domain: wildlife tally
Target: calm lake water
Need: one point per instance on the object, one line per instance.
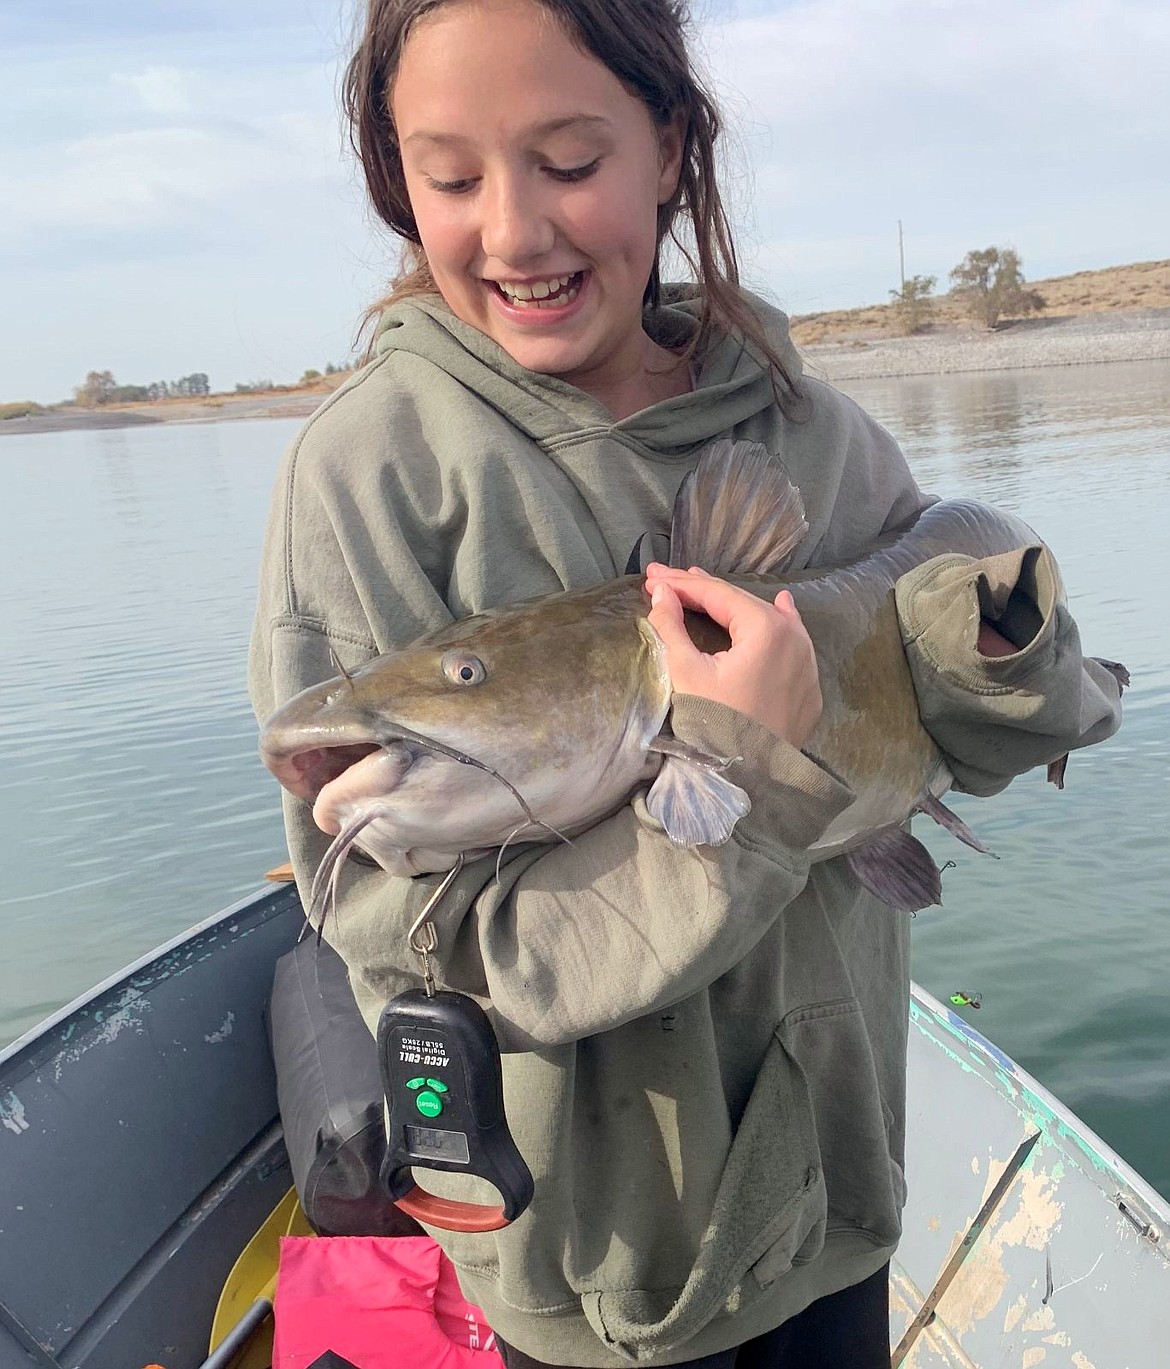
(132, 804)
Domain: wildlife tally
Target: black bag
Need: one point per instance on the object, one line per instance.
(330, 1094)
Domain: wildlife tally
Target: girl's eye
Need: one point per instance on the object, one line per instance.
(459, 187)
(574, 173)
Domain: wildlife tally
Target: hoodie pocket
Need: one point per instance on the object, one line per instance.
(769, 1210)
(829, 1045)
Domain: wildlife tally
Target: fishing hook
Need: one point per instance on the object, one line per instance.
(422, 925)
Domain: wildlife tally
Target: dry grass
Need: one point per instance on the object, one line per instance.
(1145, 285)
(22, 408)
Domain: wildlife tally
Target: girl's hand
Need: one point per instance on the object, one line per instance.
(770, 670)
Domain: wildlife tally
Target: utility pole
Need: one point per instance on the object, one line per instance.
(901, 258)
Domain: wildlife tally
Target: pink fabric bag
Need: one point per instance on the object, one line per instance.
(379, 1302)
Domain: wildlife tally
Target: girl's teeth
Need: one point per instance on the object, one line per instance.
(540, 294)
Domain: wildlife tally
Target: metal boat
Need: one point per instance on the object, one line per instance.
(141, 1149)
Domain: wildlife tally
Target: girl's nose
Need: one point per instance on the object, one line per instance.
(516, 227)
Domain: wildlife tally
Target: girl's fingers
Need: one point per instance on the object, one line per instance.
(729, 606)
(768, 672)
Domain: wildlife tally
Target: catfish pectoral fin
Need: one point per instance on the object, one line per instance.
(1117, 670)
(936, 809)
(696, 805)
(896, 868)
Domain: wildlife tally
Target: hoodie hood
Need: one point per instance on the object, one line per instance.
(733, 385)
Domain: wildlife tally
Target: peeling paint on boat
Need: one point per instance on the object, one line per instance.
(125, 1014)
(224, 1031)
(984, 1280)
(12, 1114)
(1014, 1314)
(121, 1002)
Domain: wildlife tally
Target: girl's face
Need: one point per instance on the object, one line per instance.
(535, 180)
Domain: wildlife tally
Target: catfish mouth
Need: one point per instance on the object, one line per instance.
(308, 770)
(305, 773)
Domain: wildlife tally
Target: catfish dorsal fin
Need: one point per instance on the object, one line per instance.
(736, 513)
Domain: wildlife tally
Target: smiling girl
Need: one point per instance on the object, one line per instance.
(704, 1050)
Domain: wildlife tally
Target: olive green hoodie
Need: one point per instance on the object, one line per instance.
(704, 1050)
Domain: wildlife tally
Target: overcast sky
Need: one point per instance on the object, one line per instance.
(175, 194)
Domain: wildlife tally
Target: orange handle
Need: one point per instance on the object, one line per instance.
(449, 1213)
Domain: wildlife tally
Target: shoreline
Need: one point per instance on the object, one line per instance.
(215, 409)
(1079, 340)
(1082, 340)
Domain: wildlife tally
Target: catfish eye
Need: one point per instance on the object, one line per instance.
(461, 668)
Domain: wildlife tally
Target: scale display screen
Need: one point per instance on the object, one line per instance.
(430, 1143)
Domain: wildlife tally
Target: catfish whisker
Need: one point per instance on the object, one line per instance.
(323, 893)
(336, 663)
(507, 842)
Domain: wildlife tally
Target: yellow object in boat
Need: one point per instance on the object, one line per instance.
(253, 1276)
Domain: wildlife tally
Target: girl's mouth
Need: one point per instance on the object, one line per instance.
(553, 292)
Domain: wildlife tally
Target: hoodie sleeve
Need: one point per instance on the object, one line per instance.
(997, 717)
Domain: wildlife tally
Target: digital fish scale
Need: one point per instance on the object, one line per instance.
(440, 1065)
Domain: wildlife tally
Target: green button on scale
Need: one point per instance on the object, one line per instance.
(428, 1103)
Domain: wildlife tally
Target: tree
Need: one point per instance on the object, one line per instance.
(991, 283)
(98, 388)
(913, 303)
(194, 384)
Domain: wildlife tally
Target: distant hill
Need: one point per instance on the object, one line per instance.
(1116, 289)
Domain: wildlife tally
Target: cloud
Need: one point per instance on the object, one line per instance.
(164, 179)
(189, 155)
(162, 89)
(177, 204)
(974, 123)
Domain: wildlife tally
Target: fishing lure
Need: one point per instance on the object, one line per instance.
(966, 1000)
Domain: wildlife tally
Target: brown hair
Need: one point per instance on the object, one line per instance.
(642, 42)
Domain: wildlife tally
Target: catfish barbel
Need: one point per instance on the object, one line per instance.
(532, 722)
